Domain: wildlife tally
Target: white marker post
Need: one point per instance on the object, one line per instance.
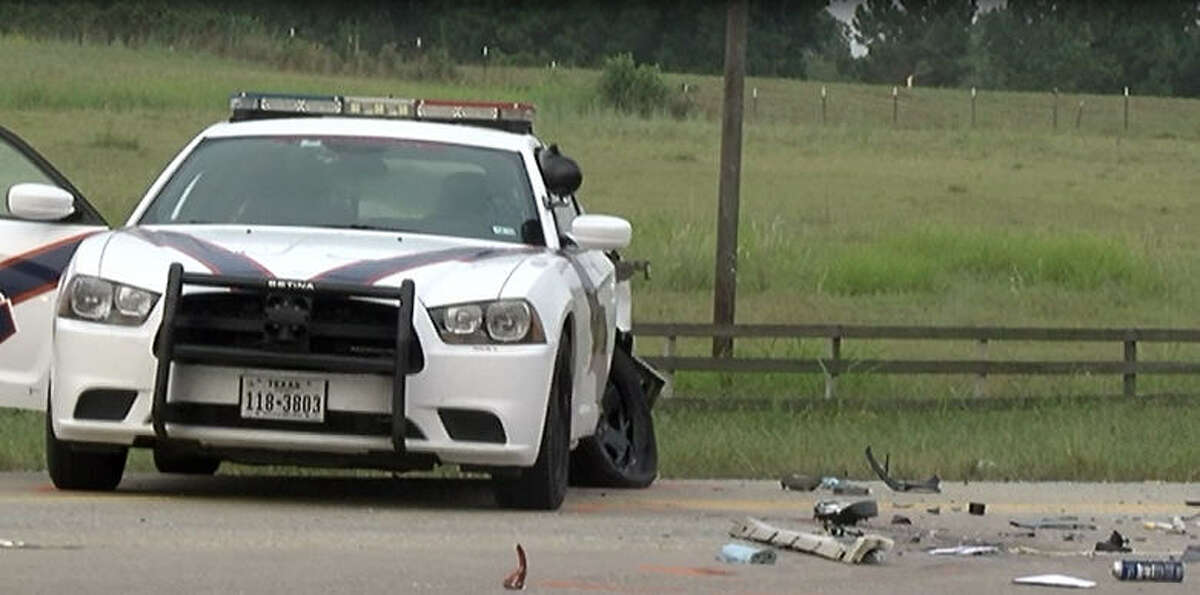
(822, 105)
(972, 107)
(1126, 109)
(895, 105)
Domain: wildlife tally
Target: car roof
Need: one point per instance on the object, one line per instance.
(459, 134)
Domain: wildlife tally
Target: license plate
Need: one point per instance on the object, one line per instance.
(283, 398)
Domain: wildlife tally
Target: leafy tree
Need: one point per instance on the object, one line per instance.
(924, 38)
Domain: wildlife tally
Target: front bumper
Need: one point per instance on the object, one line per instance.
(189, 397)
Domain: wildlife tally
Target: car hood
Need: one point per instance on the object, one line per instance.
(444, 270)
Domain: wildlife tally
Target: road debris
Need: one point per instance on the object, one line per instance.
(965, 550)
(934, 510)
(800, 483)
(1192, 502)
(1157, 571)
(900, 519)
(1062, 523)
(12, 544)
(865, 549)
(1175, 527)
(736, 553)
(931, 485)
(1115, 543)
(1055, 580)
(516, 580)
(842, 514)
(1191, 553)
(976, 508)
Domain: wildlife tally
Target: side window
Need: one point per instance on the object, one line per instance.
(15, 168)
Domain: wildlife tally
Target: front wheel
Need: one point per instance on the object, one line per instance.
(74, 467)
(623, 453)
(544, 485)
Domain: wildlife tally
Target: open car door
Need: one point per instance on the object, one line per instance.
(43, 218)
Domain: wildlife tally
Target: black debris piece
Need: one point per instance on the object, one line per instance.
(976, 508)
(1063, 523)
(1115, 543)
(934, 510)
(931, 485)
(841, 514)
(800, 483)
(850, 489)
(901, 520)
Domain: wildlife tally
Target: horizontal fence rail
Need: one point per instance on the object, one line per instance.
(1128, 367)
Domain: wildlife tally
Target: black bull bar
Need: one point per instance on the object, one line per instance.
(169, 350)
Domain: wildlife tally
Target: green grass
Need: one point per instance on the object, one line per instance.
(929, 221)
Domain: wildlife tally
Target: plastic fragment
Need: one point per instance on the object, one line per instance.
(1055, 580)
(736, 553)
(965, 550)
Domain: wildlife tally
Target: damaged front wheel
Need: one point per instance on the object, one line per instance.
(623, 453)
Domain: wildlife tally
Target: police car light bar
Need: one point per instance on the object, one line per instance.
(510, 116)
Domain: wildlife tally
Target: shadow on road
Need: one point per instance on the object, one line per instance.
(376, 492)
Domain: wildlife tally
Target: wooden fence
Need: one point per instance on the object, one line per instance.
(834, 365)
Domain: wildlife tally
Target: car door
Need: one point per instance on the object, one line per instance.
(33, 255)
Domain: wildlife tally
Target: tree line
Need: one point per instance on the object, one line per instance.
(1153, 46)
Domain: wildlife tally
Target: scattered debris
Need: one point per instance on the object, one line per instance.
(841, 514)
(1158, 571)
(934, 510)
(799, 483)
(965, 550)
(516, 580)
(1063, 523)
(1032, 551)
(866, 549)
(929, 485)
(12, 544)
(902, 505)
(1192, 502)
(1116, 543)
(900, 519)
(851, 489)
(736, 553)
(1175, 527)
(1191, 553)
(976, 508)
(1055, 580)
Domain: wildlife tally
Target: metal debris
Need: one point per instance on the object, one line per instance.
(736, 553)
(900, 519)
(516, 580)
(866, 549)
(1175, 527)
(976, 508)
(965, 550)
(1063, 523)
(933, 484)
(12, 544)
(1055, 580)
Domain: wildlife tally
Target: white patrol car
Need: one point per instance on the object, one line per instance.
(331, 281)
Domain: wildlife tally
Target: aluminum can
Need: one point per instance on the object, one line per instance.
(1159, 571)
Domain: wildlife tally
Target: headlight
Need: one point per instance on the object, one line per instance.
(501, 321)
(97, 300)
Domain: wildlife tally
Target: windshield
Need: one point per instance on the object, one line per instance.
(352, 182)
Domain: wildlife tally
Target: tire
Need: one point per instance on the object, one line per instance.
(623, 453)
(73, 468)
(544, 485)
(168, 461)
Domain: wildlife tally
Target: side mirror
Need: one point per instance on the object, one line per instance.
(561, 173)
(600, 232)
(40, 202)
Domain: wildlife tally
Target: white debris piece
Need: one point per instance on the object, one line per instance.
(965, 550)
(867, 549)
(1055, 580)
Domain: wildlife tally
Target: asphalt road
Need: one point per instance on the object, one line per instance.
(164, 534)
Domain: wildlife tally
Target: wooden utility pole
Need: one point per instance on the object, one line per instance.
(725, 292)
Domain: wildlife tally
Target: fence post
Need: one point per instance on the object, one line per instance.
(982, 378)
(1054, 111)
(1127, 108)
(831, 372)
(972, 107)
(895, 104)
(823, 105)
(1079, 115)
(1130, 360)
(668, 389)
(754, 102)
